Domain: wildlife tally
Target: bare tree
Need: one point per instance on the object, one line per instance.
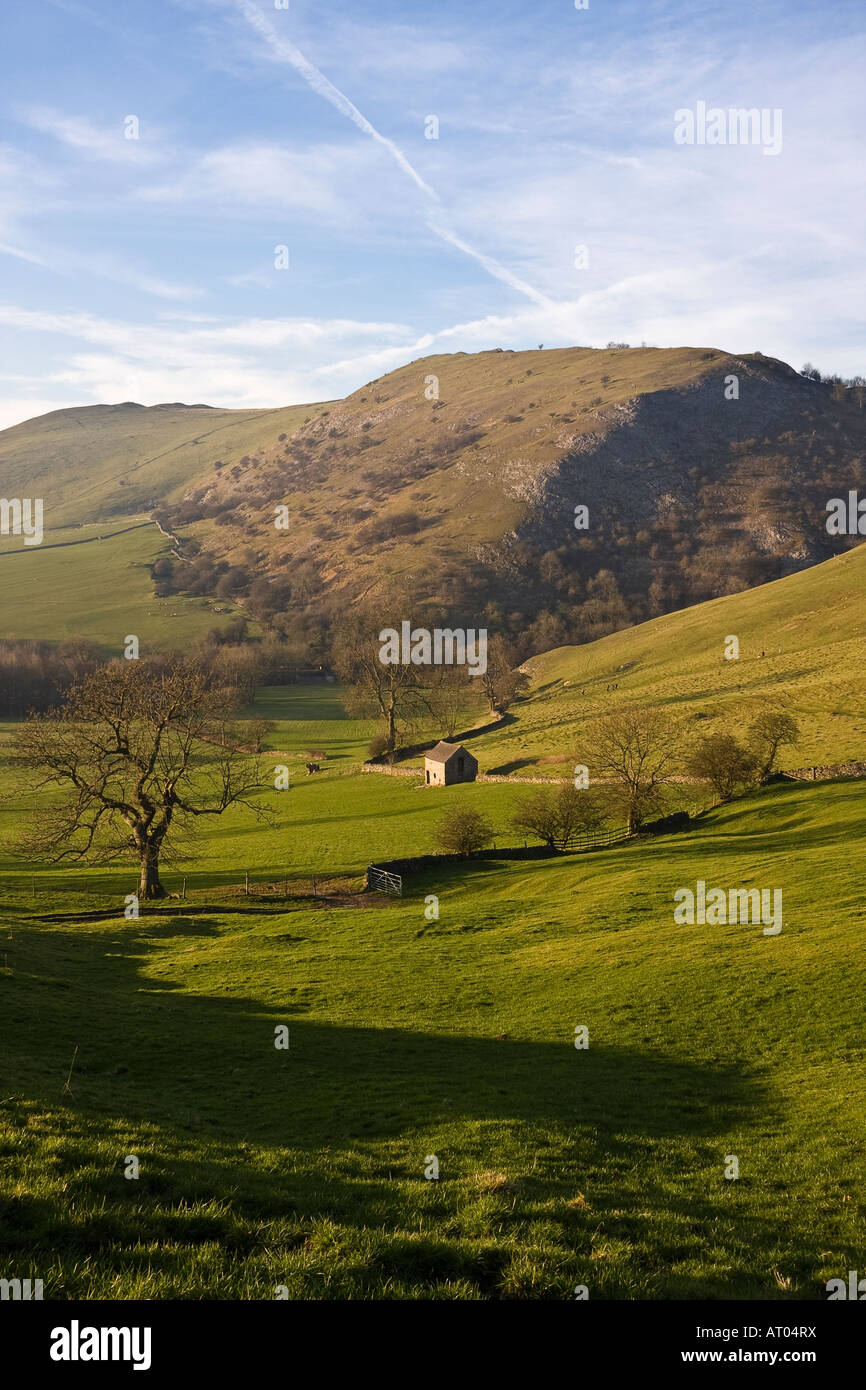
(638, 749)
(449, 693)
(257, 730)
(463, 831)
(394, 691)
(773, 729)
(537, 815)
(139, 755)
(724, 763)
(554, 814)
(579, 811)
(502, 682)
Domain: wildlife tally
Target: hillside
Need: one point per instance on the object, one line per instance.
(469, 500)
(96, 582)
(604, 1167)
(96, 462)
(802, 644)
(454, 481)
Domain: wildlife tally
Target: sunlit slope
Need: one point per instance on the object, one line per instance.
(603, 1166)
(802, 642)
(458, 476)
(470, 442)
(113, 460)
(100, 589)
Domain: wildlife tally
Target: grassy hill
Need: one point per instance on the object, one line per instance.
(802, 644)
(95, 462)
(558, 1167)
(456, 478)
(94, 581)
(468, 497)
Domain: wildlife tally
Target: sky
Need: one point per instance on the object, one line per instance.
(241, 202)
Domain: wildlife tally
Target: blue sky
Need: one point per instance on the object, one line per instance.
(144, 269)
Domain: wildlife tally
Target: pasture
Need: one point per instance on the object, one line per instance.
(409, 1038)
(330, 825)
(413, 1035)
(100, 589)
(802, 647)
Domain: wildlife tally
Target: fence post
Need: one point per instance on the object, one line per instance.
(183, 890)
(247, 882)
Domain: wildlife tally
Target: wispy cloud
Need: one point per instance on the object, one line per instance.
(81, 134)
(500, 272)
(73, 263)
(145, 341)
(254, 175)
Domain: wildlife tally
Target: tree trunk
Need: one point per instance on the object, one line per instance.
(149, 885)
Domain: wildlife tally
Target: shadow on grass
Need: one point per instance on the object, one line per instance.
(157, 927)
(342, 1122)
(754, 679)
(152, 1049)
(504, 769)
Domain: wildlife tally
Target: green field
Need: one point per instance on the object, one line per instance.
(802, 646)
(111, 461)
(453, 1038)
(414, 1036)
(99, 588)
(312, 719)
(332, 824)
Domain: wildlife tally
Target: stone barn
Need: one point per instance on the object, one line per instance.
(448, 763)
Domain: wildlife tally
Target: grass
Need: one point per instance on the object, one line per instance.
(100, 589)
(304, 1168)
(105, 461)
(312, 718)
(409, 1038)
(810, 627)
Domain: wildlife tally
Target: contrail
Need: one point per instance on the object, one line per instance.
(319, 83)
(286, 50)
(500, 272)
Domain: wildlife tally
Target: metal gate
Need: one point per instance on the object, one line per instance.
(381, 881)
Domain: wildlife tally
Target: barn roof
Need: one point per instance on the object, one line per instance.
(443, 751)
